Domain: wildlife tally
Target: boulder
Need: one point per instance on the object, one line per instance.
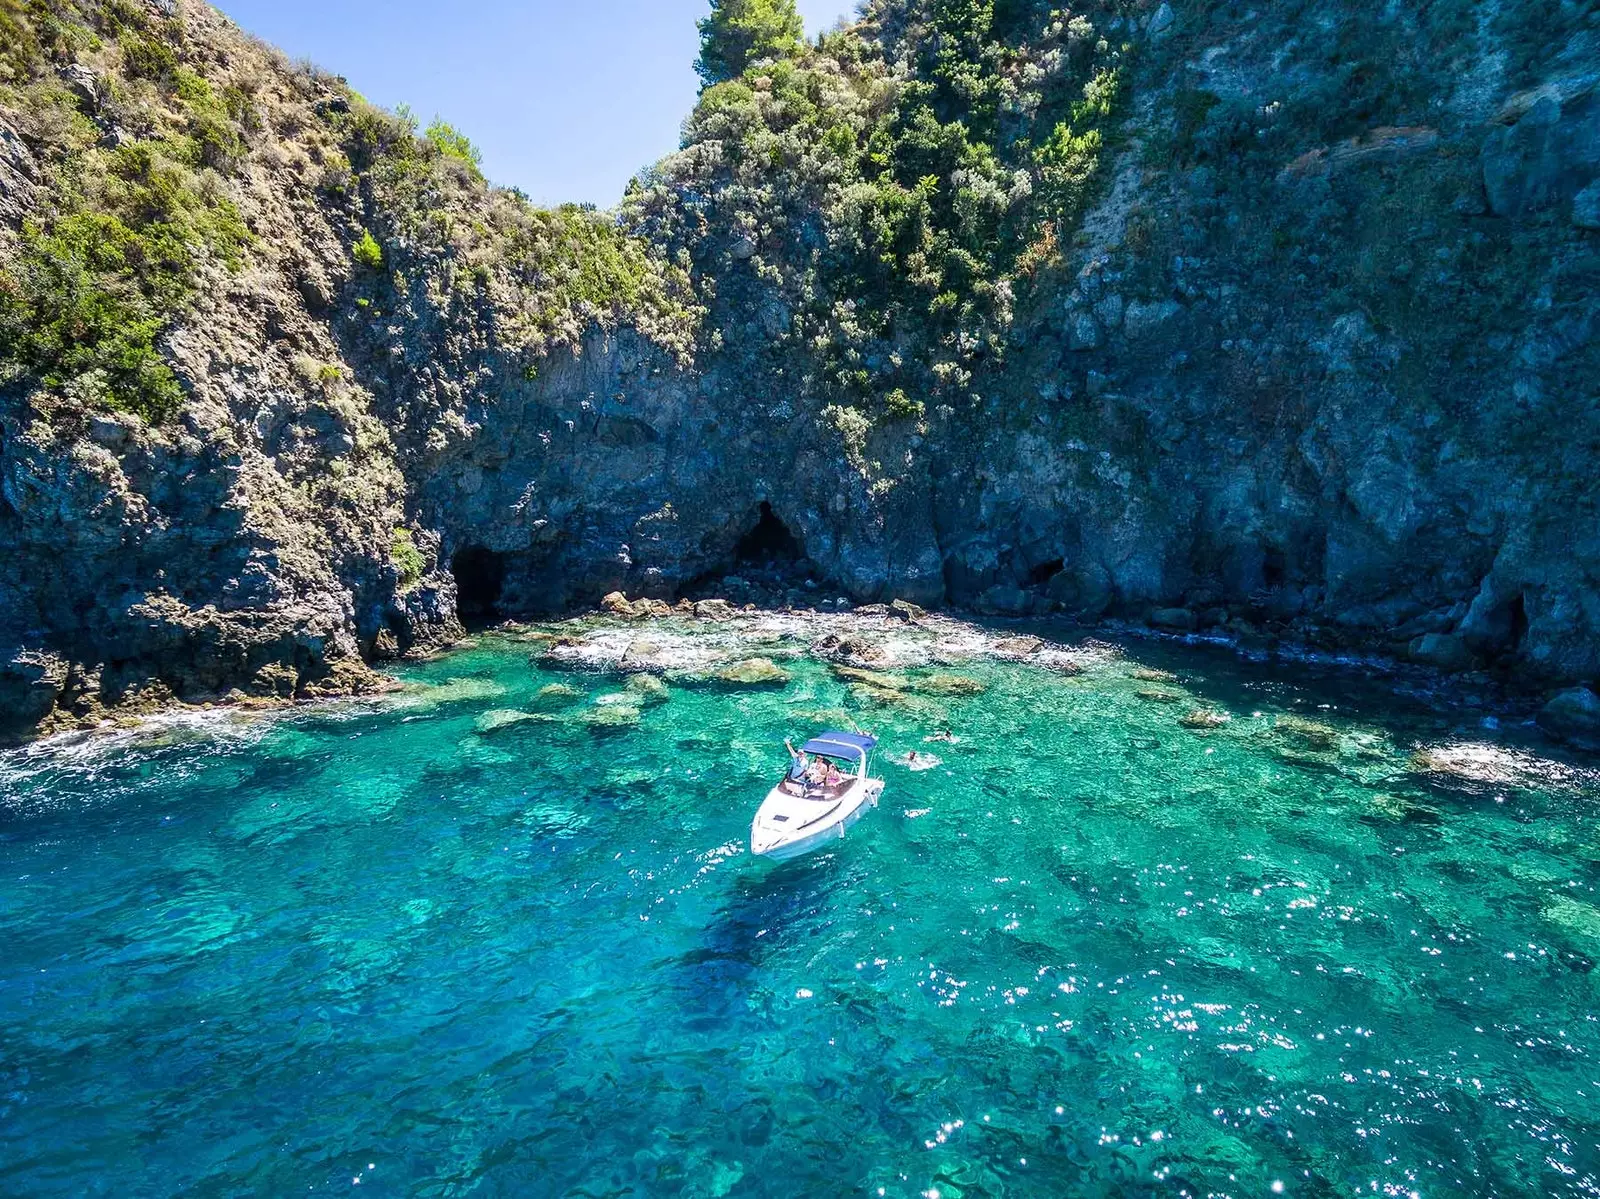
(1162, 20)
(1573, 717)
(1442, 651)
(274, 680)
(385, 646)
(1018, 647)
(713, 609)
(1083, 332)
(111, 431)
(30, 681)
(851, 651)
(754, 672)
(1108, 310)
(1086, 591)
(1544, 153)
(643, 656)
(1175, 620)
(617, 604)
(906, 610)
(1001, 600)
(1143, 318)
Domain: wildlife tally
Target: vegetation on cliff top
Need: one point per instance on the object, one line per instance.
(134, 203)
(145, 134)
(738, 33)
(896, 185)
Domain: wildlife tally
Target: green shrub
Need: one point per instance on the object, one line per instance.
(148, 58)
(899, 406)
(21, 54)
(452, 143)
(407, 558)
(367, 252)
(217, 141)
(91, 290)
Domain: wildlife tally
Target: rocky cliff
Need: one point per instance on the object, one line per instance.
(1281, 320)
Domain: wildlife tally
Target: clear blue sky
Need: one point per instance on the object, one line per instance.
(567, 101)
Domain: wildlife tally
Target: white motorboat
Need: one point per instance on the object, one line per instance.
(825, 792)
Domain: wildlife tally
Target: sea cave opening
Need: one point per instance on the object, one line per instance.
(1045, 571)
(769, 543)
(480, 576)
(1274, 568)
(1519, 624)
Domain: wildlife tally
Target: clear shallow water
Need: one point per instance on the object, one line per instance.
(1090, 953)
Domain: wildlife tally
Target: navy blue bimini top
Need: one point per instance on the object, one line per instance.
(850, 746)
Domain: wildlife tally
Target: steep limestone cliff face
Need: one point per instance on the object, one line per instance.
(1292, 329)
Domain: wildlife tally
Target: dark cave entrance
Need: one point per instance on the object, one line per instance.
(1519, 624)
(1045, 571)
(1274, 568)
(769, 543)
(480, 576)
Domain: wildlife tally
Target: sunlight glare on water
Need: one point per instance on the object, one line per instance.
(492, 938)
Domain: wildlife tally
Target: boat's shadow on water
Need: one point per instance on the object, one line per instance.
(771, 909)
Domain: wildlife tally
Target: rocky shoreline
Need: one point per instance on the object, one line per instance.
(720, 642)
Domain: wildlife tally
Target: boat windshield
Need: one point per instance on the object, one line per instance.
(821, 770)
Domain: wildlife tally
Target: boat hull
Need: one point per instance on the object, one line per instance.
(789, 827)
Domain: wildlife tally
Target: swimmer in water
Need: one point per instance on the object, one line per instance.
(943, 735)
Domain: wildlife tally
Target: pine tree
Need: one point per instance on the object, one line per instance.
(740, 32)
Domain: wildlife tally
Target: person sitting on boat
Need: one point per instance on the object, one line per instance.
(817, 772)
(833, 777)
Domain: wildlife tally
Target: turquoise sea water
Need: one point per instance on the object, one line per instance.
(375, 949)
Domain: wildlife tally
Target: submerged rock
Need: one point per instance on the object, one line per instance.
(949, 684)
(498, 720)
(754, 672)
(1306, 734)
(1204, 718)
(1395, 808)
(648, 689)
(554, 693)
(1575, 916)
(1492, 765)
(1147, 674)
(422, 696)
(611, 716)
(1154, 696)
(872, 678)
